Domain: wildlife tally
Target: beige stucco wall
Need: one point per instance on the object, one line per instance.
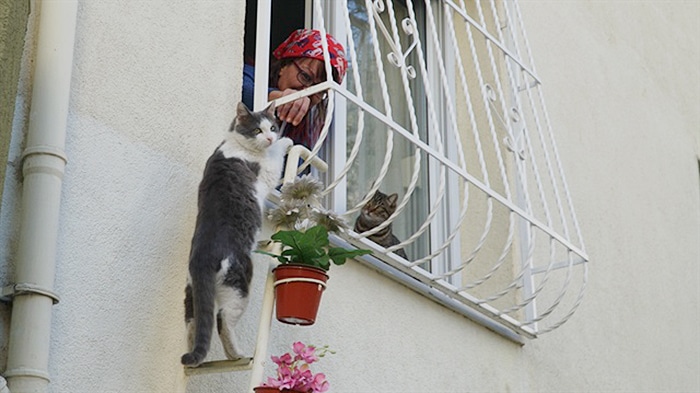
(154, 84)
(13, 23)
(622, 86)
(154, 87)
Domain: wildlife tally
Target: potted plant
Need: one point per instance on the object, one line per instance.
(294, 373)
(306, 254)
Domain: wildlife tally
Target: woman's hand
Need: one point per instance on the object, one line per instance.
(292, 112)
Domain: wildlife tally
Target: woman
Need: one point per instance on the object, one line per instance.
(299, 64)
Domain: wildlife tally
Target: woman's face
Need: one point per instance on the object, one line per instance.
(300, 74)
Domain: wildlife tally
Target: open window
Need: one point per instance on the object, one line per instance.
(406, 103)
(442, 106)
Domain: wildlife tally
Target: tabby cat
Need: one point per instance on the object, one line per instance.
(375, 212)
(237, 178)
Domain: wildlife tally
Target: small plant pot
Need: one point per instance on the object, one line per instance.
(298, 290)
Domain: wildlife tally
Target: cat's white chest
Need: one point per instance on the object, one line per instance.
(270, 162)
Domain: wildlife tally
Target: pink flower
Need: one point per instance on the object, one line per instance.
(285, 378)
(294, 372)
(319, 384)
(275, 383)
(307, 354)
(303, 380)
(285, 359)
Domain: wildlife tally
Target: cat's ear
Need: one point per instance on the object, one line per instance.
(242, 110)
(270, 110)
(392, 199)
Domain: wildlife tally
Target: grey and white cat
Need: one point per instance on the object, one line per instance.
(237, 179)
(375, 212)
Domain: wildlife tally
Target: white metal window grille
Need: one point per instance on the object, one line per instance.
(442, 105)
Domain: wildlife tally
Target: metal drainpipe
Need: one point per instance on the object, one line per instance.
(43, 164)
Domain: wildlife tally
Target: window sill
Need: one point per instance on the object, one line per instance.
(430, 292)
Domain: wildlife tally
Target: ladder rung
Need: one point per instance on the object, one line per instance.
(220, 366)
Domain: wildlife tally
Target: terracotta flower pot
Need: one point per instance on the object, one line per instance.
(298, 290)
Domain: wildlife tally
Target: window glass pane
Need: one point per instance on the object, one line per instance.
(374, 142)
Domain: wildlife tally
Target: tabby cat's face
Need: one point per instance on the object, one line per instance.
(258, 130)
(380, 207)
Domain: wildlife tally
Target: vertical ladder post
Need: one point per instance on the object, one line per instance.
(262, 59)
(264, 327)
(293, 155)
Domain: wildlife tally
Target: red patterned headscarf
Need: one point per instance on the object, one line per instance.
(307, 43)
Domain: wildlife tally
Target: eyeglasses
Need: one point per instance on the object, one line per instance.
(307, 80)
(304, 77)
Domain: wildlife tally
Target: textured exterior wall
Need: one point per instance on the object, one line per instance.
(154, 86)
(622, 88)
(13, 23)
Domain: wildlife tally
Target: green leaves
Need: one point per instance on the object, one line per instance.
(311, 248)
(338, 254)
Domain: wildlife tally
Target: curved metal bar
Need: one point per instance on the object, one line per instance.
(350, 160)
(533, 193)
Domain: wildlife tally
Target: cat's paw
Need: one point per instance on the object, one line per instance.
(191, 359)
(230, 350)
(233, 357)
(285, 143)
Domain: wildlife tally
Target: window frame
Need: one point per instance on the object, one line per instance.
(337, 152)
(431, 285)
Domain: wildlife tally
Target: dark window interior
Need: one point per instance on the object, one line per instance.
(287, 16)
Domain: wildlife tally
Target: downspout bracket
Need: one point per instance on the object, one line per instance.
(10, 291)
(44, 150)
(27, 372)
